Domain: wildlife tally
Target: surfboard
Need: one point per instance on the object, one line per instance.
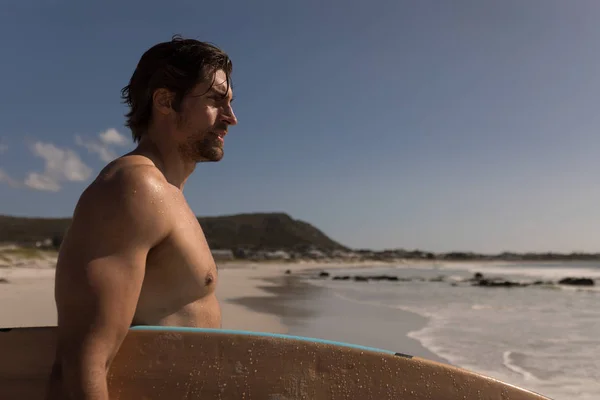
(189, 363)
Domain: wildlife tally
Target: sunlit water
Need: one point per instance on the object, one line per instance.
(545, 339)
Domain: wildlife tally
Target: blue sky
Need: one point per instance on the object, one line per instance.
(462, 125)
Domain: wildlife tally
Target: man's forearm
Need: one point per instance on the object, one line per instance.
(85, 382)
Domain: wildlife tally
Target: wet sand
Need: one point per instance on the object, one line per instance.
(313, 311)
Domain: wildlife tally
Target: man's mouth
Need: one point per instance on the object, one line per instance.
(221, 136)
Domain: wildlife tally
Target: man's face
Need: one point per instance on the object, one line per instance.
(204, 118)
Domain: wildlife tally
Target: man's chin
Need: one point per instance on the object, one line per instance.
(207, 160)
(214, 156)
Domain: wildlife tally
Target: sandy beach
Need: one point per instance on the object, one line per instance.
(253, 296)
(508, 334)
(27, 296)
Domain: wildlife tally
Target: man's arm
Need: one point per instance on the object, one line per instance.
(100, 272)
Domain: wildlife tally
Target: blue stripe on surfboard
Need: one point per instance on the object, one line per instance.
(263, 334)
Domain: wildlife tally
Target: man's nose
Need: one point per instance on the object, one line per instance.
(228, 116)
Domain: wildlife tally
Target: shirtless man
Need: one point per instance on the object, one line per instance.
(135, 253)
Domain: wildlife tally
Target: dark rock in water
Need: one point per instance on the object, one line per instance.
(4, 280)
(499, 283)
(287, 272)
(383, 278)
(341, 278)
(577, 281)
(440, 278)
(476, 277)
(538, 283)
(324, 274)
(366, 278)
(454, 284)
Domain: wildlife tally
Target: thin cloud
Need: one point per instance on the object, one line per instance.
(3, 148)
(104, 152)
(7, 179)
(113, 137)
(62, 165)
(102, 147)
(42, 182)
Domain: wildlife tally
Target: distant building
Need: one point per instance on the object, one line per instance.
(344, 255)
(44, 243)
(277, 255)
(222, 255)
(315, 254)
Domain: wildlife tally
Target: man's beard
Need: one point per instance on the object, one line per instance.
(203, 146)
(210, 148)
(206, 149)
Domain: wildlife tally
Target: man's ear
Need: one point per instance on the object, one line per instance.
(162, 101)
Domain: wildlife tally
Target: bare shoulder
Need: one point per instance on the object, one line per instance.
(129, 174)
(127, 202)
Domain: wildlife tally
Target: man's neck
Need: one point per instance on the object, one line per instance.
(168, 160)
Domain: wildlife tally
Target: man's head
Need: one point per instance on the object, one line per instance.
(182, 89)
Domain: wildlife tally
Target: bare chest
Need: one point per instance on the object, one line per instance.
(181, 268)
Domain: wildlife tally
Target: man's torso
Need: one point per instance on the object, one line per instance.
(180, 276)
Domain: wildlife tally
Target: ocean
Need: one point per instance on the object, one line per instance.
(542, 338)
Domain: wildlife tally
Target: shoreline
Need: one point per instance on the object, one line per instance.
(296, 302)
(253, 297)
(261, 297)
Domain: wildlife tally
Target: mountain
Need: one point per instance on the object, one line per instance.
(30, 230)
(253, 231)
(263, 231)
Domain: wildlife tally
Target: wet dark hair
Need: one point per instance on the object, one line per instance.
(177, 65)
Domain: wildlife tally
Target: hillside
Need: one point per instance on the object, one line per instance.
(254, 231)
(264, 231)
